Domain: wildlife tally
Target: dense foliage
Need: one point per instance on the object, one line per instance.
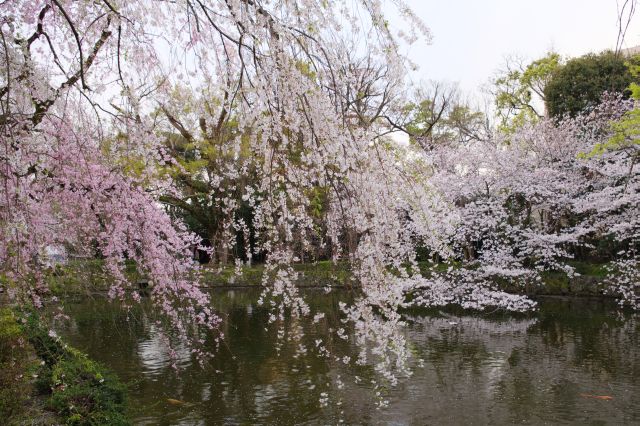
(580, 82)
(45, 381)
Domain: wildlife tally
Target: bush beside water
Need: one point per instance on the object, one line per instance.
(44, 381)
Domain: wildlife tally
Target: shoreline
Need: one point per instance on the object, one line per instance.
(87, 277)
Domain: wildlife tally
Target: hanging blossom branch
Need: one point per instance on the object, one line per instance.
(87, 168)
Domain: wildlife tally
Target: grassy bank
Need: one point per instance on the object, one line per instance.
(46, 382)
(87, 276)
(588, 282)
(317, 274)
(84, 276)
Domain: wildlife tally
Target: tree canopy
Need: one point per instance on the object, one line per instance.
(580, 82)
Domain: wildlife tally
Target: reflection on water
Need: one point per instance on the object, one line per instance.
(470, 369)
(155, 355)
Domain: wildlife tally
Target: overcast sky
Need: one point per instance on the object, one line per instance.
(471, 38)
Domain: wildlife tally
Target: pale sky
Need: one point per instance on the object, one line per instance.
(471, 38)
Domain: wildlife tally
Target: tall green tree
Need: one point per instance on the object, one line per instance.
(626, 131)
(580, 83)
(213, 167)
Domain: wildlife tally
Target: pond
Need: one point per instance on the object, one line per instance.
(574, 361)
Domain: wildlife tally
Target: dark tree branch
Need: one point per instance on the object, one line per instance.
(78, 42)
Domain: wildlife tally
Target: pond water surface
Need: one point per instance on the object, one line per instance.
(574, 361)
